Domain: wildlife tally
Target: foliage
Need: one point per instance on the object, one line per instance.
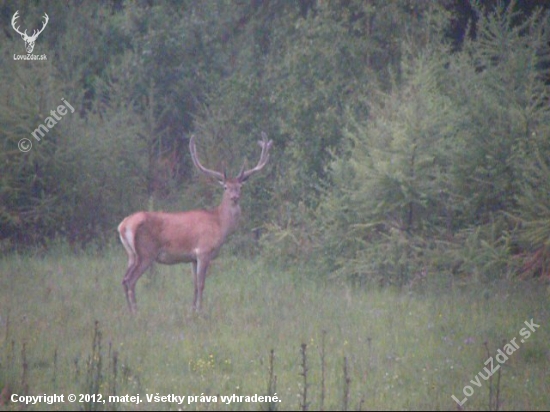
(534, 216)
(443, 158)
(394, 151)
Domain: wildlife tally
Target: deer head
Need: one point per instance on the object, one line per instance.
(233, 186)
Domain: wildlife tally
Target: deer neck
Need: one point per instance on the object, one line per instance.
(229, 213)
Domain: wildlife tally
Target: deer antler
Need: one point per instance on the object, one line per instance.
(15, 16)
(212, 173)
(35, 33)
(34, 36)
(264, 157)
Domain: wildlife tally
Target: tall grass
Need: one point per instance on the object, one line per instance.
(65, 328)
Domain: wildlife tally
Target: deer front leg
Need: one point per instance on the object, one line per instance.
(199, 274)
(194, 284)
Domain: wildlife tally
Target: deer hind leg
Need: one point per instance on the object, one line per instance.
(126, 237)
(130, 279)
(136, 266)
(200, 267)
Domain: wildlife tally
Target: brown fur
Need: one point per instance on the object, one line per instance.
(195, 236)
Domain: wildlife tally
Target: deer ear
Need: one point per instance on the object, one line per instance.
(222, 181)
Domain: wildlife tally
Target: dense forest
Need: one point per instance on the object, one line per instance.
(410, 137)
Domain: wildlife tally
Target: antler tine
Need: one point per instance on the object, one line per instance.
(212, 173)
(264, 157)
(14, 18)
(43, 26)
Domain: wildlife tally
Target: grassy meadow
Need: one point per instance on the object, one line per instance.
(320, 345)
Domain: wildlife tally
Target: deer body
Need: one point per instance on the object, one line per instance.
(194, 237)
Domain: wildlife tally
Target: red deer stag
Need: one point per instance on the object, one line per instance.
(195, 236)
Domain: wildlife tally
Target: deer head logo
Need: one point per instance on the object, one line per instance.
(29, 40)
